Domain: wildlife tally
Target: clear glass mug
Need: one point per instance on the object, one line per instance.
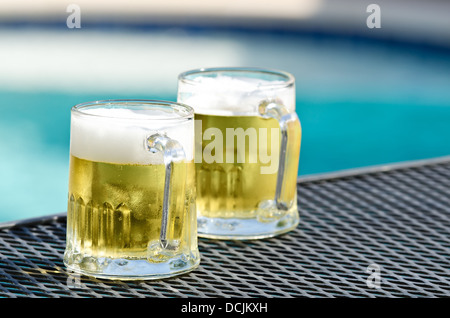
(131, 208)
(247, 150)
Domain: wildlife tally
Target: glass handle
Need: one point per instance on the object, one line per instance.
(172, 151)
(274, 108)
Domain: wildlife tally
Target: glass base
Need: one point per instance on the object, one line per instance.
(246, 229)
(130, 269)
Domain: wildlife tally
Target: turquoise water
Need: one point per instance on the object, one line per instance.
(359, 105)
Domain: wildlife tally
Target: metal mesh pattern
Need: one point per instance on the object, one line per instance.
(395, 223)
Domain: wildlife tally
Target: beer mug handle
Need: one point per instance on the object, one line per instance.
(275, 109)
(172, 151)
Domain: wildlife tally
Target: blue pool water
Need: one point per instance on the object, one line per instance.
(360, 104)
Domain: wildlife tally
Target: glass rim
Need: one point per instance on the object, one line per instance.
(189, 111)
(289, 78)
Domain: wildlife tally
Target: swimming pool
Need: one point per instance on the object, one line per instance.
(360, 103)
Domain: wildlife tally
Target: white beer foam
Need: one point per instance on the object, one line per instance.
(119, 135)
(226, 95)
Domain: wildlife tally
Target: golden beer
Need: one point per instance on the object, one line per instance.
(235, 189)
(115, 210)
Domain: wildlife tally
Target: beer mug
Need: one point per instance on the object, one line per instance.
(247, 147)
(131, 207)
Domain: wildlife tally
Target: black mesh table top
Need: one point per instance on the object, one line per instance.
(380, 232)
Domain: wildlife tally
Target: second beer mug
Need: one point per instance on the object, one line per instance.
(247, 150)
(131, 211)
